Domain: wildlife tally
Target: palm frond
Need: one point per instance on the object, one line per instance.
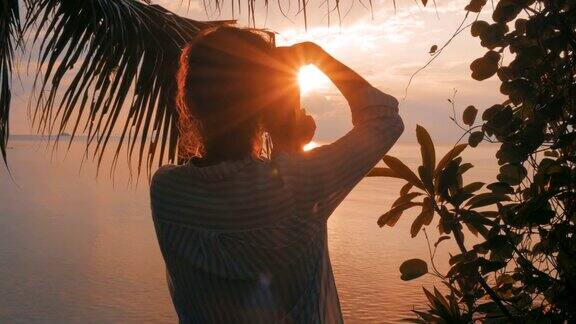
(10, 35)
(105, 61)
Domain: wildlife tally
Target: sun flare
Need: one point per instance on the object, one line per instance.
(310, 146)
(310, 79)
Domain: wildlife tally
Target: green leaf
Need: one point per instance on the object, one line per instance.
(441, 298)
(382, 172)
(509, 153)
(478, 27)
(449, 181)
(469, 115)
(476, 219)
(506, 11)
(431, 298)
(486, 199)
(464, 167)
(403, 171)
(405, 188)
(492, 37)
(416, 226)
(493, 243)
(475, 138)
(491, 112)
(445, 219)
(424, 218)
(483, 68)
(413, 268)
(391, 217)
(426, 147)
(427, 210)
(472, 187)
(512, 174)
(475, 5)
(406, 198)
(500, 188)
(427, 180)
(441, 239)
(453, 153)
(439, 305)
(472, 229)
(427, 318)
(428, 157)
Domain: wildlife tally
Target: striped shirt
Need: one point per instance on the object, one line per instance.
(246, 241)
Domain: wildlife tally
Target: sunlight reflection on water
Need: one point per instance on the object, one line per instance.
(76, 249)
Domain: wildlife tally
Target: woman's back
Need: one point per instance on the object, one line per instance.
(237, 248)
(245, 239)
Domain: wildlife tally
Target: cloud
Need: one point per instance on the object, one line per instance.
(385, 46)
(387, 51)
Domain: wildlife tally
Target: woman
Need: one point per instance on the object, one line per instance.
(244, 238)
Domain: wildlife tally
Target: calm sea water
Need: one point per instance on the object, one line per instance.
(80, 249)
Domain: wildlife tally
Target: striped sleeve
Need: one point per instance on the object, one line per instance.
(321, 178)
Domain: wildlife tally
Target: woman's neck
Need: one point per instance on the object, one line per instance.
(213, 159)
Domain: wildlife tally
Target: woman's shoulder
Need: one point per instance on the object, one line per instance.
(164, 173)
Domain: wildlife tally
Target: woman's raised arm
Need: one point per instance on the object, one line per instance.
(346, 80)
(321, 178)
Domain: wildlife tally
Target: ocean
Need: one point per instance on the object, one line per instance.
(76, 248)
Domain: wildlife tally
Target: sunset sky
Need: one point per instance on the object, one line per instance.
(386, 49)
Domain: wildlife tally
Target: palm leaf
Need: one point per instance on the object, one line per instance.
(104, 67)
(10, 35)
(106, 62)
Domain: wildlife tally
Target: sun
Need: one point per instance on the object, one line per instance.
(310, 79)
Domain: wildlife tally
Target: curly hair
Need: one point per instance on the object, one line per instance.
(222, 80)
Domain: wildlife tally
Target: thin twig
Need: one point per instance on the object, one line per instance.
(439, 51)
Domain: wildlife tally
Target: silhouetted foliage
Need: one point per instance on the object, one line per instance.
(10, 31)
(524, 270)
(98, 61)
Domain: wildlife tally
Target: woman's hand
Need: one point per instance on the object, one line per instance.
(345, 79)
(290, 127)
(300, 54)
(307, 53)
(293, 133)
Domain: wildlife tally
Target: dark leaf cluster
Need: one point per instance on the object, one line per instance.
(524, 268)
